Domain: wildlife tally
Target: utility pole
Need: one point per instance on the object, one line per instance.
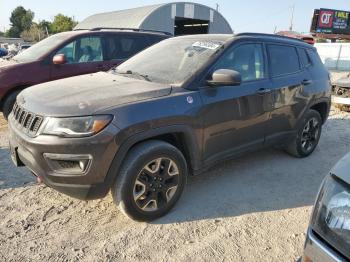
(292, 18)
(275, 30)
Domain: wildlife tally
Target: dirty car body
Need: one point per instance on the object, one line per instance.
(174, 92)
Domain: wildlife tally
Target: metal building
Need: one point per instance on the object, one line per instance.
(176, 18)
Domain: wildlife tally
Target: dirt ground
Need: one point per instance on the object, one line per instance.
(254, 208)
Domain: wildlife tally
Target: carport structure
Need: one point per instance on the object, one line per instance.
(178, 18)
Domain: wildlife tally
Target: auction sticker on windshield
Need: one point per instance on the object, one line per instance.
(207, 45)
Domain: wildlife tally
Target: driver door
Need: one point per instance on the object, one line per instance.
(235, 117)
(83, 55)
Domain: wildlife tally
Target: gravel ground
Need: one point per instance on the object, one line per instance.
(255, 208)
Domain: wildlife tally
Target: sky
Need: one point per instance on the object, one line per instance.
(243, 16)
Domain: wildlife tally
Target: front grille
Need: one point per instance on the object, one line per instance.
(27, 121)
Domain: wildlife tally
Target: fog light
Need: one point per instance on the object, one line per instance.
(68, 164)
(83, 164)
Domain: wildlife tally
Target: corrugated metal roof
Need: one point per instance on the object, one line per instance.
(161, 17)
(129, 18)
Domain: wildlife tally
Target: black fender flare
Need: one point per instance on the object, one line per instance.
(190, 141)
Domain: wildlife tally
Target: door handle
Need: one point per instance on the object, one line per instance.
(306, 82)
(100, 67)
(263, 91)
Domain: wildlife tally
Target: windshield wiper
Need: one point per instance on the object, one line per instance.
(129, 72)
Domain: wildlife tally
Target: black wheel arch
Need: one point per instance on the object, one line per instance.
(182, 137)
(10, 92)
(322, 107)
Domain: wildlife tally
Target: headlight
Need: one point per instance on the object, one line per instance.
(76, 126)
(331, 218)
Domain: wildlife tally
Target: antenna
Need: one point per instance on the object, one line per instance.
(217, 7)
(292, 18)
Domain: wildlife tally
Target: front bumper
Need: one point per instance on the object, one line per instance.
(32, 152)
(317, 250)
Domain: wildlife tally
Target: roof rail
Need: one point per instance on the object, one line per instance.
(270, 35)
(130, 29)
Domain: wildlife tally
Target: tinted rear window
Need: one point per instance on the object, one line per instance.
(124, 46)
(315, 58)
(304, 57)
(283, 60)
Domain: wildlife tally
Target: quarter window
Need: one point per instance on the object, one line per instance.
(247, 59)
(304, 57)
(283, 60)
(83, 50)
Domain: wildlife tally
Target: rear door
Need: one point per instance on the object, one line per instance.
(121, 46)
(84, 55)
(235, 117)
(288, 79)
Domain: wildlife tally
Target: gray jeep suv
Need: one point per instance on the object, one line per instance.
(172, 110)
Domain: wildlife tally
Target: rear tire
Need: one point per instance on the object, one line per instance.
(151, 180)
(307, 137)
(8, 104)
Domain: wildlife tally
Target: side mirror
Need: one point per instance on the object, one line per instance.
(59, 59)
(225, 77)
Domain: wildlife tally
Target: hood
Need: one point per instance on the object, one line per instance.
(343, 82)
(341, 169)
(87, 94)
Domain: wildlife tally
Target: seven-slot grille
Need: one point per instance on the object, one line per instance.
(25, 120)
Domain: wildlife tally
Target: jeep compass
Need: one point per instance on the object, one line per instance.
(173, 110)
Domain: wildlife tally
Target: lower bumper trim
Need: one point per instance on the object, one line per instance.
(83, 192)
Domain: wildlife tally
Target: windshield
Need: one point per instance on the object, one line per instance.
(171, 61)
(36, 51)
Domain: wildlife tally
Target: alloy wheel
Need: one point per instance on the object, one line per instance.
(156, 184)
(310, 134)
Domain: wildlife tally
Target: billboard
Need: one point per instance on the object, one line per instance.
(329, 21)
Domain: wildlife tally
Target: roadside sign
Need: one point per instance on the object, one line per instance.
(329, 21)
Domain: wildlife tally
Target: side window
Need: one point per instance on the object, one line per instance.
(304, 57)
(315, 58)
(69, 52)
(247, 59)
(90, 49)
(83, 50)
(155, 39)
(124, 46)
(283, 60)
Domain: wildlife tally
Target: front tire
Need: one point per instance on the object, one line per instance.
(307, 137)
(151, 180)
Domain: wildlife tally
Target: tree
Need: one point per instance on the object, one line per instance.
(21, 20)
(34, 34)
(2, 33)
(62, 23)
(45, 26)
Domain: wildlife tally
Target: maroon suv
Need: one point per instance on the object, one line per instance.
(70, 54)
